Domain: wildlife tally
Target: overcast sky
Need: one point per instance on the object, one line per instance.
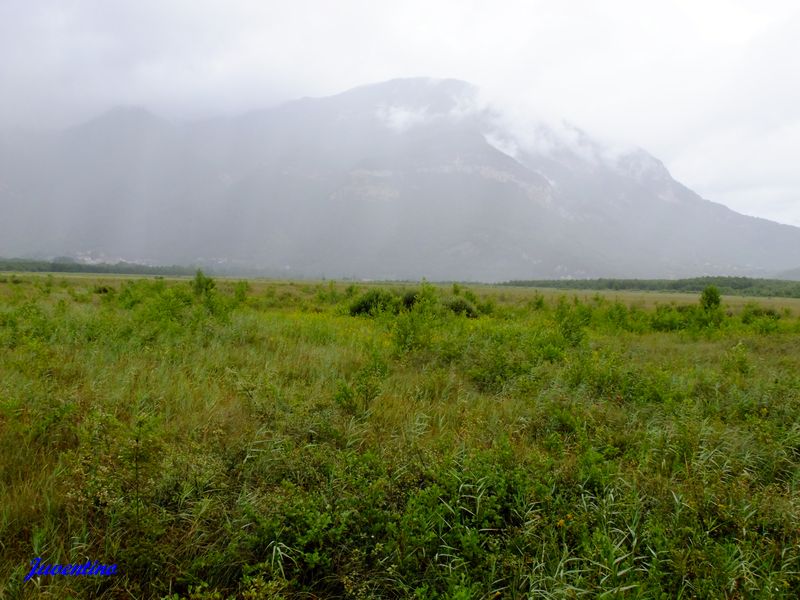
(711, 87)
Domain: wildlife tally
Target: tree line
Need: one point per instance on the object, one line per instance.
(740, 286)
(72, 266)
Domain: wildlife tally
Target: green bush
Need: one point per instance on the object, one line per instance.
(202, 285)
(240, 291)
(669, 318)
(461, 306)
(411, 331)
(374, 302)
(572, 320)
(710, 298)
(409, 299)
(752, 311)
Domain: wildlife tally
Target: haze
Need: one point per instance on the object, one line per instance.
(708, 87)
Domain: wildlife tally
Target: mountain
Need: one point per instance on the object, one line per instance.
(401, 179)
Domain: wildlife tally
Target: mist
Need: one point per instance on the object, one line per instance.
(701, 91)
(402, 179)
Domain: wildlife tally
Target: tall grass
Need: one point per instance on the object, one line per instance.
(279, 440)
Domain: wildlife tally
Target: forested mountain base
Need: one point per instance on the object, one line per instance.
(741, 286)
(73, 266)
(263, 440)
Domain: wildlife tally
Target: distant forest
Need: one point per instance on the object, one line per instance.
(737, 286)
(72, 266)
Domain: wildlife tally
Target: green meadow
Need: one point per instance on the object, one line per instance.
(221, 439)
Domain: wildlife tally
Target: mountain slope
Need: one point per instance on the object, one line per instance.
(402, 179)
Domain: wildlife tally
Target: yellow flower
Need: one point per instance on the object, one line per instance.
(560, 523)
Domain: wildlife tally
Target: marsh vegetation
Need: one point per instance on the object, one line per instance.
(224, 439)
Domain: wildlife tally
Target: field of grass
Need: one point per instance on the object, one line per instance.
(261, 440)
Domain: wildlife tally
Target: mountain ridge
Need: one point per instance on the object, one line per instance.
(402, 179)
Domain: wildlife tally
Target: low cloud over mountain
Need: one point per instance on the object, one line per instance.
(402, 179)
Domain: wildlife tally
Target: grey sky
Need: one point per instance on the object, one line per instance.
(712, 87)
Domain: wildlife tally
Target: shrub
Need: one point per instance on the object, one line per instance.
(572, 320)
(202, 285)
(375, 301)
(461, 306)
(752, 311)
(616, 315)
(409, 299)
(670, 318)
(710, 298)
(485, 307)
(240, 291)
(537, 302)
